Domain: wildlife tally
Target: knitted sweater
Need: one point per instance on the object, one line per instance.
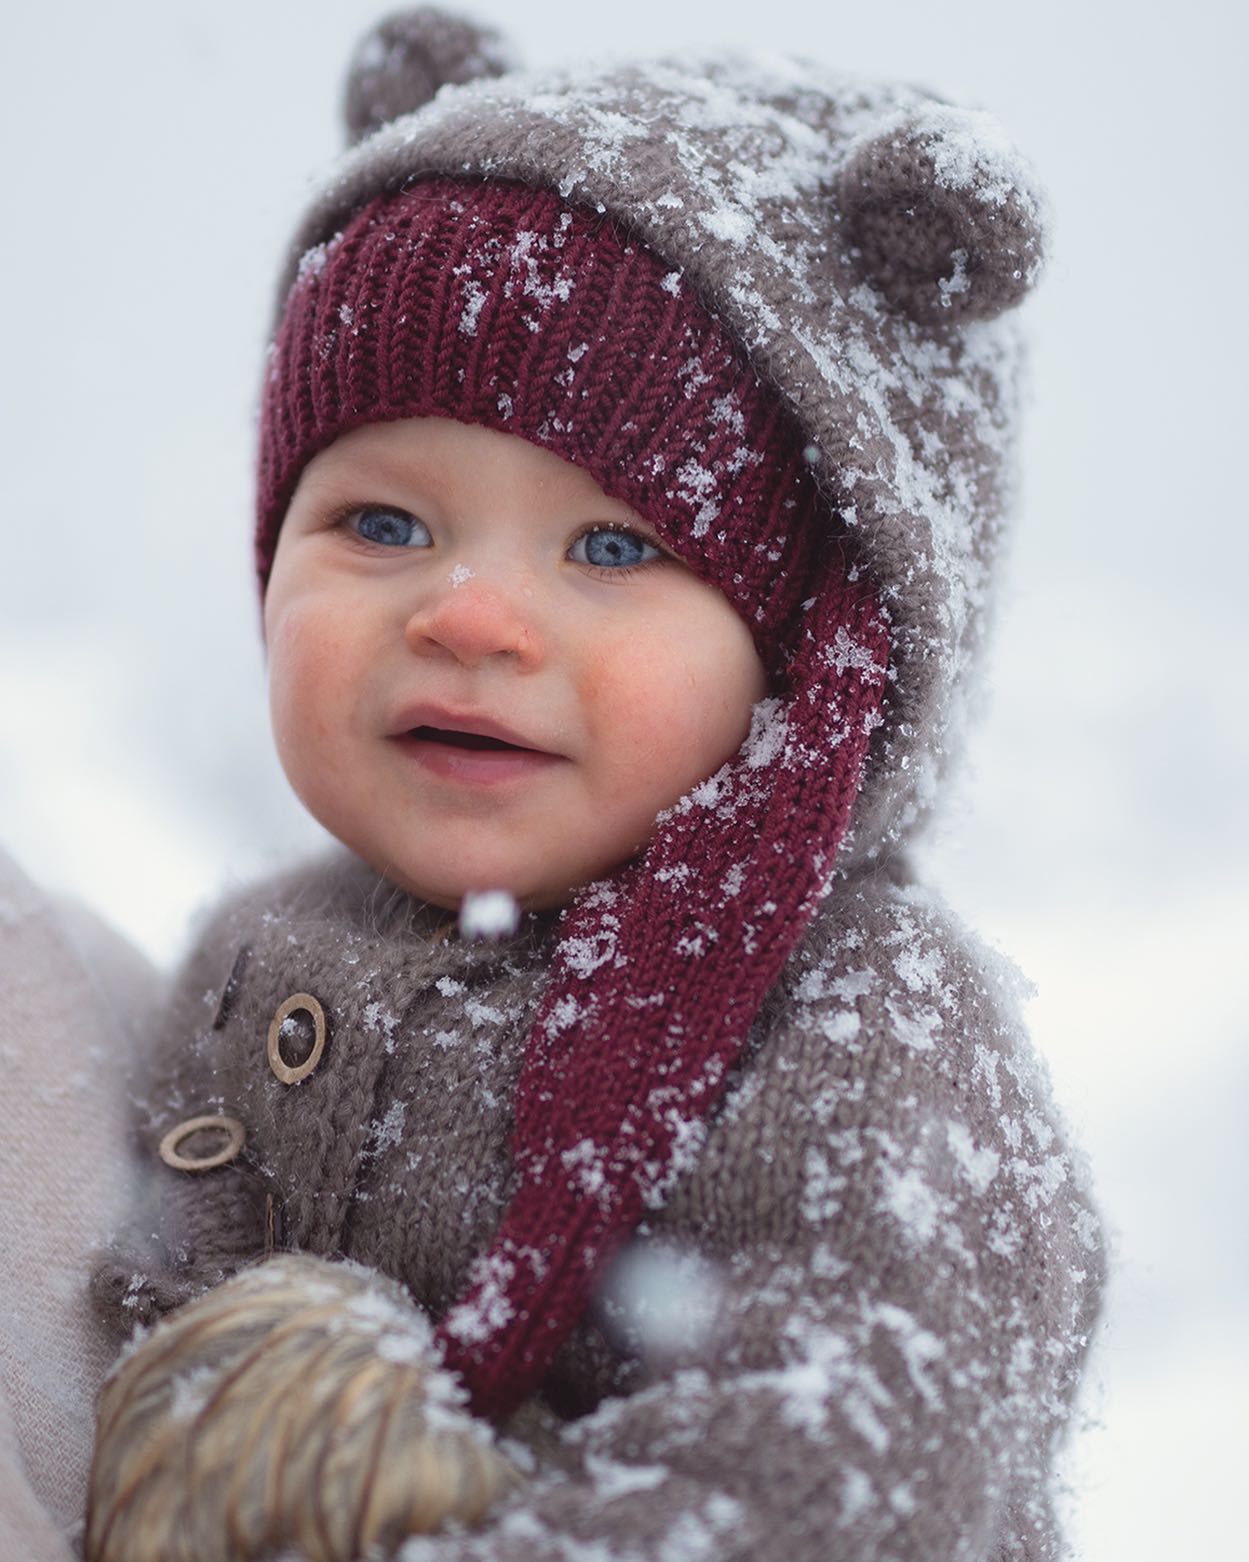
(852, 1323)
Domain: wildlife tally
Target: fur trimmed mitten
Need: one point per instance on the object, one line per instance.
(299, 1405)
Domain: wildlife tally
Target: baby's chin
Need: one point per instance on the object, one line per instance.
(448, 891)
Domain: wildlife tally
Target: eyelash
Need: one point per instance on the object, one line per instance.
(619, 571)
(337, 521)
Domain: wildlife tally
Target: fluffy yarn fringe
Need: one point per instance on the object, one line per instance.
(296, 1406)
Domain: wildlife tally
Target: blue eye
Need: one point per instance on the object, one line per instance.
(390, 528)
(611, 547)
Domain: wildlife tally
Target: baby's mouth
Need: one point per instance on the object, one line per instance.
(458, 757)
(468, 746)
(457, 739)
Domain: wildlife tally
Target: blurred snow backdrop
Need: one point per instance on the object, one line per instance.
(154, 158)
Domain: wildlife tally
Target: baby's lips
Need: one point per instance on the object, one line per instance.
(478, 724)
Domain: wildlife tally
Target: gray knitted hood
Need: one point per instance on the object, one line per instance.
(865, 243)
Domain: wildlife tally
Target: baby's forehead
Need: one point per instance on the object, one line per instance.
(446, 457)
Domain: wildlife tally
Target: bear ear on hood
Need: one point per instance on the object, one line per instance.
(401, 62)
(941, 216)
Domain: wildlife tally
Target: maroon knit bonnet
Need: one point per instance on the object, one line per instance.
(503, 306)
(500, 305)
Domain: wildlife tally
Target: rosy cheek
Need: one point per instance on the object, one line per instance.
(642, 713)
(622, 683)
(303, 673)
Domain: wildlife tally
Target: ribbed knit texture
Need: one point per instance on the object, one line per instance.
(502, 306)
(856, 1287)
(658, 977)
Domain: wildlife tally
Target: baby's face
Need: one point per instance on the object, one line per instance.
(483, 672)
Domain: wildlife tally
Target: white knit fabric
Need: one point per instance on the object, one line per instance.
(71, 995)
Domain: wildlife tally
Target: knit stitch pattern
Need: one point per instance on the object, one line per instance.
(879, 1246)
(658, 978)
(502, 306)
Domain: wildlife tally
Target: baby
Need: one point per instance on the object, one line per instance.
(633, 457)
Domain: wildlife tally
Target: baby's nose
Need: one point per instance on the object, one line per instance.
(473, 619)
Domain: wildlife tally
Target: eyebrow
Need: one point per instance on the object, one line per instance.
(574, 477)
(357, 471)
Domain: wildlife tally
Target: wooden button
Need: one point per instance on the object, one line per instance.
(288, 1074)
(171, 1154)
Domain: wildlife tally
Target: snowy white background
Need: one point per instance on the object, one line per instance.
(154, 158)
